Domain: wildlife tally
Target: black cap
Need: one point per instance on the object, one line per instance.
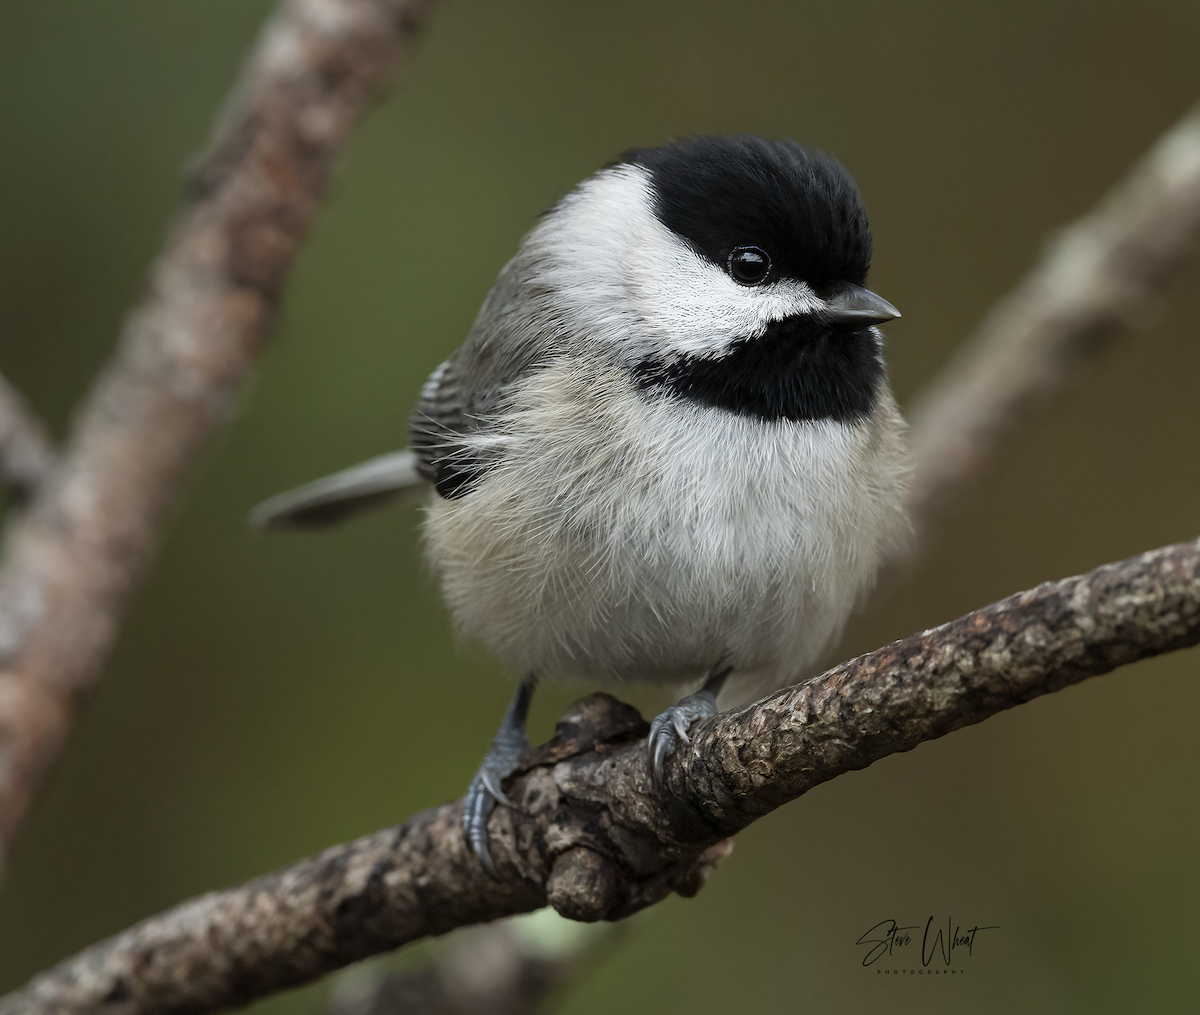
(803, 208)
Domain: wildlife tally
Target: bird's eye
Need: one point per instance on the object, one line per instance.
(749, 265)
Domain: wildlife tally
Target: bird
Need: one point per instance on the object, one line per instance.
(667, 450)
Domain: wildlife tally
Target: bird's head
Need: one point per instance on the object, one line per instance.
(727, 270)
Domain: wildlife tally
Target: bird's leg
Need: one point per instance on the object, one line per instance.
(671, 727)
(501, 759)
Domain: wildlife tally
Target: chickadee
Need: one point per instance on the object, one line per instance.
(667, 450)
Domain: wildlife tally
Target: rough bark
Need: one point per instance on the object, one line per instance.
(75, 555)
(590, 836)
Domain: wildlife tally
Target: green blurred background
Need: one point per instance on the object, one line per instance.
(271, 696)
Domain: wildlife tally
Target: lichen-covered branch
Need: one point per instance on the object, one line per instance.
(589, 834)
(74, 556)
(26, 455)
(1101, 277)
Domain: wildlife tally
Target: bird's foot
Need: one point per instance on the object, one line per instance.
(485, 791)
(668, 729)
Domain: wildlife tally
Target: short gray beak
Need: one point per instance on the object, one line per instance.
(856, 305)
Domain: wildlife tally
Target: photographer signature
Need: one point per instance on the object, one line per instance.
(887, 937)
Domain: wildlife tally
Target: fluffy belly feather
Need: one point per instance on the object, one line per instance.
(658, 540)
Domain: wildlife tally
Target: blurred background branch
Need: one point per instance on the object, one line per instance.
(26, 455)
(592, 836)
(513, 967)
(74, 556)
(1101, 277)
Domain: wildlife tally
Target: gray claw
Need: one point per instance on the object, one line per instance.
(681, 721)
(491, 782)
(668, 729)
(486, 788)
(479, 805)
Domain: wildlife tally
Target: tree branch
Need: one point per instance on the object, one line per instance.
(1101, 276)
(590, 836)
(26, 455)
(73, 559)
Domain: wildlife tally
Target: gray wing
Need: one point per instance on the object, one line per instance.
(467, 392)
(444, 416)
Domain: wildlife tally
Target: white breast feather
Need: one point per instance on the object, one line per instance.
(656, 539)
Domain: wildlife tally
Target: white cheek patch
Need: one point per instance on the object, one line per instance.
(692, 307)
(621, 274)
